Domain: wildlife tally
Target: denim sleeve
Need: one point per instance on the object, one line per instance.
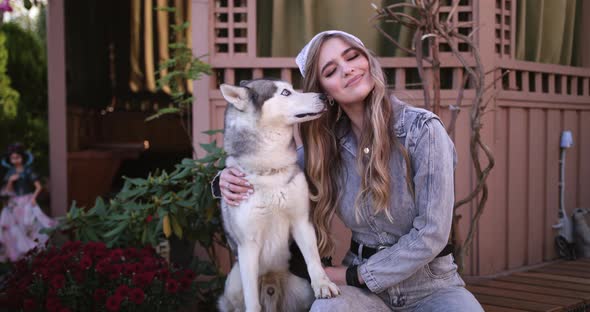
(215, 189)
(433, 157)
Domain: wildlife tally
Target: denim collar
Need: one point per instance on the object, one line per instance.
(347, 138)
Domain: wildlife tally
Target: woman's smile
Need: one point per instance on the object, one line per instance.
(354, 80)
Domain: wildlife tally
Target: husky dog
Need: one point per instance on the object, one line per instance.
(258, 139)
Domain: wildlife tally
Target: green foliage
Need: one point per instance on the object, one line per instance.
(8, 96)
(182, 68)
(140, 213)
(146, 211)
(27, 67)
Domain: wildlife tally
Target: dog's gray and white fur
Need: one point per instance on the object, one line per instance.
(258, 138)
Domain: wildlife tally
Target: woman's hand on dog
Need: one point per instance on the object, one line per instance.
(234, 188)
(337, 274)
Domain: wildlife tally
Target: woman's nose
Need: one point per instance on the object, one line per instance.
(348, 70)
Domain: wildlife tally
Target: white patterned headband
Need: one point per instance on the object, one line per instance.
(301, 58)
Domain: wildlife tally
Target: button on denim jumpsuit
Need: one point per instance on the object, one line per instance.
(405, 274)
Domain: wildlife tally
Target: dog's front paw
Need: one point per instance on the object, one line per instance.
(324, 288)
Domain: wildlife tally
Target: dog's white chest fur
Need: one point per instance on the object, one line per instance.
(266, 217)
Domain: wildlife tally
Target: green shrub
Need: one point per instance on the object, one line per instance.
(147, 211)
(26, 65)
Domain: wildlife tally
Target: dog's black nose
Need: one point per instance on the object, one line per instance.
(323, 97)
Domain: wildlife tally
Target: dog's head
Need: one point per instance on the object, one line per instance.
(274, 102)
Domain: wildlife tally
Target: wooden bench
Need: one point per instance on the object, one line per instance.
(558, 286)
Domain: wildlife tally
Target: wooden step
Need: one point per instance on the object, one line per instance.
(558, 286)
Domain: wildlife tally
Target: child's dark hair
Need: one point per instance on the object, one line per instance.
(18, 148)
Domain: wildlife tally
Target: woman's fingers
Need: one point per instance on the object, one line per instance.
(235, 176)
(233, 187)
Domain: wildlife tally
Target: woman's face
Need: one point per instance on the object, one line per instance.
(16, 159)
(344, 72)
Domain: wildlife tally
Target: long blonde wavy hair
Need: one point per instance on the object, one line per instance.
(323, 164)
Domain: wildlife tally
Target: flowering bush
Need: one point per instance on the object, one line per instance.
(92, 277)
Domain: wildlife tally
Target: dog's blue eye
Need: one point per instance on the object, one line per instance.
(286, 92)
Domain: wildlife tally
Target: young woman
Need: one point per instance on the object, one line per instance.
(21, 219)
(386, 169)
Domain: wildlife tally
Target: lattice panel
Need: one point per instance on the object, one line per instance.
(230, 27)
(462, 20)
(398, 78)
(540, 82)
(505, 28)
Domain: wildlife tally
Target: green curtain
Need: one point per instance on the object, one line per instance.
(285, 26)
(547, 29)
(150, 36)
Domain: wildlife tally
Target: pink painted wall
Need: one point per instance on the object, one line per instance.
(521, 126)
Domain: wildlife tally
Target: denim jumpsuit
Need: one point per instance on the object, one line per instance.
(405, 275)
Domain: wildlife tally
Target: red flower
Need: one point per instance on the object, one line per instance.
(143, 279)
(85, 262)
(123, 291)
(189, 274)
(71, 246)
(100, 295)
(30, 305)
(102, 266)
(114, 303)
(149, 219)
(137, 295)
(52, 304)
(58, 281)
(127, 269)
(148, 251)
(163, 274)
(172, 286)
(117, 254)
(185, 283)
(79, 276)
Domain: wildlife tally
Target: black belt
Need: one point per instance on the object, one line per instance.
(369, 251)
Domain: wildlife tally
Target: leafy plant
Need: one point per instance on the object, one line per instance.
(160, 206)
(179, 203)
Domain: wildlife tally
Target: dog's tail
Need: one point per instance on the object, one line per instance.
(283, 291)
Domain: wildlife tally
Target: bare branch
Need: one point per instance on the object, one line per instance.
(453, 10)
(397, 44)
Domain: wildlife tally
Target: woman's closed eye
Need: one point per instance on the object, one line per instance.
(352, 57)
(330, 71)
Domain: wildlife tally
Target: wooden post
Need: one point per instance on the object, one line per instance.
(200, 27)
(57, 108)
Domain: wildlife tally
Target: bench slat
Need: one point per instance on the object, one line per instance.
(517, 304)
(546, 276)
(544, 282)
(523, 295)
(563, 272)
(492, 308)
(547, 290)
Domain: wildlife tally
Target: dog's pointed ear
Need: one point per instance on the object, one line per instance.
(237, 96)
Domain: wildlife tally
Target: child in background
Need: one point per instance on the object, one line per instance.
(22, 218)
